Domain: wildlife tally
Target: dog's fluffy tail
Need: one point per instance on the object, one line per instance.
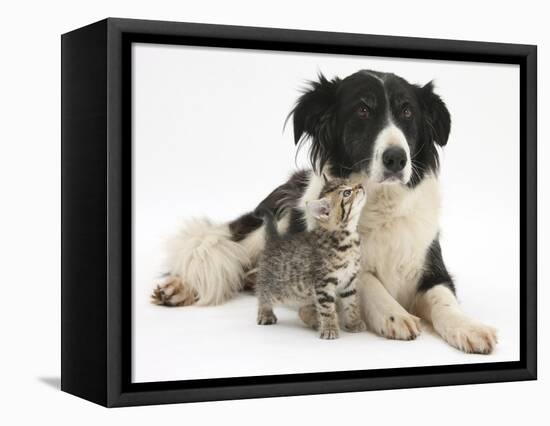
(208, 262)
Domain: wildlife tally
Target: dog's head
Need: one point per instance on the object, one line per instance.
(373, 123)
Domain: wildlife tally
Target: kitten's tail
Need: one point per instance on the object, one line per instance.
(270, 222)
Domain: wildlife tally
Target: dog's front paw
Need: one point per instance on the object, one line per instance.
(171, 291)
(398, 325)
(467, 335)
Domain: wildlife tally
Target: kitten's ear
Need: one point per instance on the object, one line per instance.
(319, 209)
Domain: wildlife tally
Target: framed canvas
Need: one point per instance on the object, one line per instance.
(370, 198)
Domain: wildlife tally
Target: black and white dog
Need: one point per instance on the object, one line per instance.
(376, 127)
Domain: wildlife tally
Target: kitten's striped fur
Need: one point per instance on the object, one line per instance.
(317, 267)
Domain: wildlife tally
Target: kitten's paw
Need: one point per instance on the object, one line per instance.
(355, 327)
(250, 278)
(398, 326)
(308, 314)
(467, 335)
(171, 291)
(329, 333)
(266, 318)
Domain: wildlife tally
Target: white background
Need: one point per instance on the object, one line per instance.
(207, 140)
(30, 173)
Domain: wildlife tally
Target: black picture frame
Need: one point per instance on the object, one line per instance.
(96, 212)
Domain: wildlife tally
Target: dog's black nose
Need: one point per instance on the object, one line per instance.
(394, 159)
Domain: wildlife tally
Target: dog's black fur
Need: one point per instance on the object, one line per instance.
(342, 119)
(282, 197)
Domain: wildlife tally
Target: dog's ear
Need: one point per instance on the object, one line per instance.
(312, 117)
(312, 106)
(437, 119)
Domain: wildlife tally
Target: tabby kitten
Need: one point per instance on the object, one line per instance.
(315, 267)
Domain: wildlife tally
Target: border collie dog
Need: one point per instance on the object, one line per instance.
(372, 126)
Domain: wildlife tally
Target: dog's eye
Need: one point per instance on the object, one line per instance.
(346, 193)
(363, 112)
(407, 112)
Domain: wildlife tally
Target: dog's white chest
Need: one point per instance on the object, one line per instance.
(397, 227)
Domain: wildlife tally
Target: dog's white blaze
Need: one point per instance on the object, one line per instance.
(391, 135)
(380, 79)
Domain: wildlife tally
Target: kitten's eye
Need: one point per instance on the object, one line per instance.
(346, 193)
(363, 112)
(407, 112)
